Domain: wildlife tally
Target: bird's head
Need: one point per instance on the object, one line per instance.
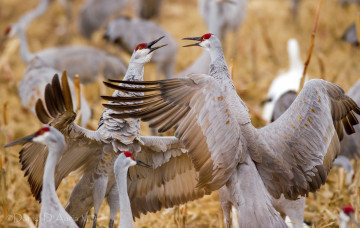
(126, 159)
(207, 41)
(134, 161)
(44, 135)
(9, 32)
(347, 215)
(144, 51)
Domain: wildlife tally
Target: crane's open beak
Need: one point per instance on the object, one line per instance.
(21, 141)
(352, 218)
(193, 38)
(150, 44)
(140, 163)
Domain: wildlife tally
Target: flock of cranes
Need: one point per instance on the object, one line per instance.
(265, 173)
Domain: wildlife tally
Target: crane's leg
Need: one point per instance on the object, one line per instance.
(226, 205)
(114, 204)
(99, 192)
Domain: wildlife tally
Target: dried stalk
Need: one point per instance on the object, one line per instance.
(302, 81)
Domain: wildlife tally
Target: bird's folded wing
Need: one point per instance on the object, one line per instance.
(83, 146)
(205, 123)
(171, 180)
(299, 148)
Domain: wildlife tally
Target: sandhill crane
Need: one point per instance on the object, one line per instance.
(347, 217)
(222, 15)
(32, 85)
(52, 213)
(92, 152)
(122, 164)
(350, 35)
(291, 156)
(88, 62)
(148, 9)
(287, 81)
(95, 13)
(127, 33)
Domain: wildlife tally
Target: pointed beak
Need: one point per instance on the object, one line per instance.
(193, 38)
(352, 218)
(2, 39)
(140, 163)
(21, 141)
(150, 44)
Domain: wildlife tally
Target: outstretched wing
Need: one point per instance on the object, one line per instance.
(299, 148)
(83, 146)
(172, 181)
(206, 124)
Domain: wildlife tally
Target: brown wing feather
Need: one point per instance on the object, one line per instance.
(82, 147)
(298, 149)
(198, 106)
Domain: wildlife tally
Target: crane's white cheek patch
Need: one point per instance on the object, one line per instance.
(41, 138)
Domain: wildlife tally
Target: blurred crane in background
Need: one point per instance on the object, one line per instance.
(88, 62)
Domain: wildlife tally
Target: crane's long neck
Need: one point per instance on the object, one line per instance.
(126, 219)
(135, 72)
(218, 67)
(30, 16)
(48, 190)
(26, 55)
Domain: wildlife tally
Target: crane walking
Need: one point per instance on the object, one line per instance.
(291, 156)
(52, 213)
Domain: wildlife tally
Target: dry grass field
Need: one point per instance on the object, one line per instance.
(260, 54)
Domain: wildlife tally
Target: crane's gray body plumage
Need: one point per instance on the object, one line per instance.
(95, 14)
(128, 33)
(291, 156)
(148, 9)
(221, 15)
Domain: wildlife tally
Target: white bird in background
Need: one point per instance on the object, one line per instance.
(289, 80)
(95, 14)
(127, 33)
(32, 87)
(291, 156)
(347, 217)
(223, 15)
(52, 213)
(88, 62)
(122, 164)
